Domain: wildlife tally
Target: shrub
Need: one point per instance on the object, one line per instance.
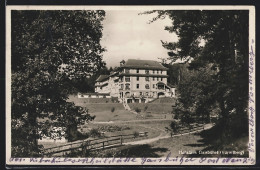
(145, 108)
(137, 110)
(176, 116)
(94, 133)
(136, 134)
(112, 109)
(175, 126)
(148, 115)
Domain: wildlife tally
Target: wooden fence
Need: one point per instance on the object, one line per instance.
(183, 130)
(92, 144)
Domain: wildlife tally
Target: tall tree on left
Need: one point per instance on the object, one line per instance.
(49, 49)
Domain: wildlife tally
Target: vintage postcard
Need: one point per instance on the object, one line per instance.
(130, 85)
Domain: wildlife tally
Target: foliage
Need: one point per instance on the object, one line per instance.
(49, 50)
(109, 128)
(137, 110)
(136, 134)
(87, 84)
(216, 43)
(112, 109)
(145, 108)
(175, 126)
(95, 133)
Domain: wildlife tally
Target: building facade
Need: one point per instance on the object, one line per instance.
(136, 81)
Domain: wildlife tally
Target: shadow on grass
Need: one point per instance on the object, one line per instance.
(213, 140)
(140, 151)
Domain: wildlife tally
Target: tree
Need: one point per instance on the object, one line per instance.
(49, 49)
(87, 84)
(225, 50)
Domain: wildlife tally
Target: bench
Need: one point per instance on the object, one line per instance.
(143, 134)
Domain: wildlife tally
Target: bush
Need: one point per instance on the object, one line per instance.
(136, 134)
(112, 109)
(175, 126)
(94, 133)
(145, 108)
(137, 110)
(148, 115)
(176, 116)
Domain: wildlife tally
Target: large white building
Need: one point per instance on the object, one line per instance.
(136, 81)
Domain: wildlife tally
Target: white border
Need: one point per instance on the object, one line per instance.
(159, 161)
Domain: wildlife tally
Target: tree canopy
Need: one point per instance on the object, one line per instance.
(49, 50)
(215, 40)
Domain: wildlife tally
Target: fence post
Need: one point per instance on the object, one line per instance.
(83, 149)
(121, 139)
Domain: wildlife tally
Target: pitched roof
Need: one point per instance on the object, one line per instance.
(143, 64)
(102, 77)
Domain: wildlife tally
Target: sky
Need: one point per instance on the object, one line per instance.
(127, 35)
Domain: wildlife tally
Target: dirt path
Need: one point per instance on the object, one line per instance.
(163, 136)
(128, 121)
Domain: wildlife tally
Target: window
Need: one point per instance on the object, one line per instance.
(127, 79)
(137, 70)
(146, 71)
(137, 86)
(137, 78)
(154, 86)
(147, 94)
(127, 86)
(153, 71)
(122, 86)
(153, 78)
(157, 78)
(161, 79)
(157, 71)
(146, 78)
(141, 93)
(147, 86)
(126, 70)
(161, 71)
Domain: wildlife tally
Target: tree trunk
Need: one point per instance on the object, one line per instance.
(32, 121)
(72, 132)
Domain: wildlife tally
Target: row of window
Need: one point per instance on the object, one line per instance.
(127, 86)
(127, 79)
(146, 71)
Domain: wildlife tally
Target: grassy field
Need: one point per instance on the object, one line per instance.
(165, 100)
(155, 108)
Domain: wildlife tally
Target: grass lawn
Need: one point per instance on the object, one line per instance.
(154, 108)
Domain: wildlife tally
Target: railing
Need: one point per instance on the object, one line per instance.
(94, 144)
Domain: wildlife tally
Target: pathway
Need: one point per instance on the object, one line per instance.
(128, 121)
(162, 136)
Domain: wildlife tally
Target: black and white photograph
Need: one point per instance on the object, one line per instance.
(130, 85)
